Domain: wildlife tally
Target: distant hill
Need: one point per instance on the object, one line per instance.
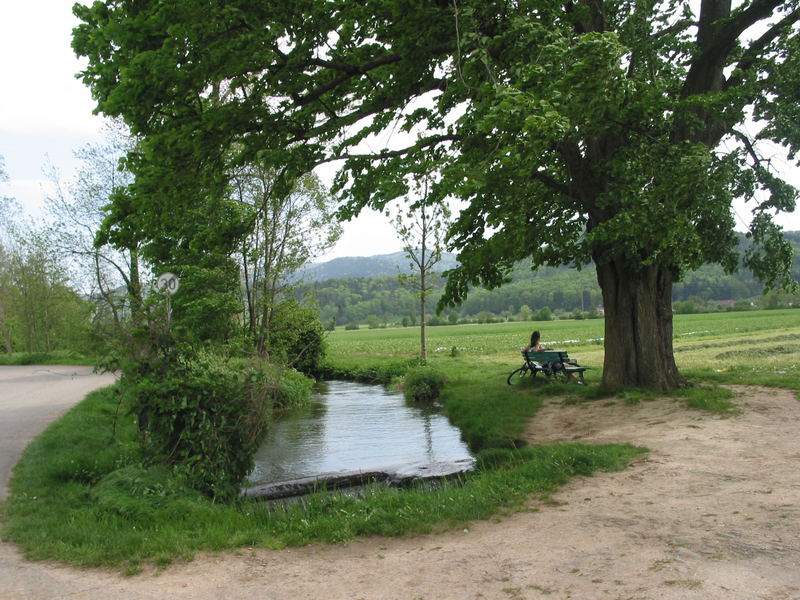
(366, 266)
(366, 289)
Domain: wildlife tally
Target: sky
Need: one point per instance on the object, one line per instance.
(46, 114)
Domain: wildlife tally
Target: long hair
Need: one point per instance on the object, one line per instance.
(535, 339)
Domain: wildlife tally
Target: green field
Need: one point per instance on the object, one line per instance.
(706, 345)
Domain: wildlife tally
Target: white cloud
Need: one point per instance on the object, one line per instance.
(41, 93)
(368, 234)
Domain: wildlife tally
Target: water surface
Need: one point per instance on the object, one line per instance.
(354, 426)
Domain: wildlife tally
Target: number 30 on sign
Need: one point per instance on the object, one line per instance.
(168, 283)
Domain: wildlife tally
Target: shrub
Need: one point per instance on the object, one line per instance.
(297, 336)
(205, 417)
(423, 384)
(293, 390)
(686, 307)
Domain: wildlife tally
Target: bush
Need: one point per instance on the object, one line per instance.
(205, 417)
(293, 390)
(423, 384)
(297, 336)
(686, 307)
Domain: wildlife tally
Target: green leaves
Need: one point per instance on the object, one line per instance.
(569, 133)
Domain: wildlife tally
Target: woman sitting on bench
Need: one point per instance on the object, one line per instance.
(553, 366)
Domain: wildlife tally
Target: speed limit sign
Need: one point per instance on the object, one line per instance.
(168, 283)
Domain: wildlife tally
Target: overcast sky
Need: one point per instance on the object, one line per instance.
(46, 113)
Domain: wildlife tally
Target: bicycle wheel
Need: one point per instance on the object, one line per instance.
(517, 374)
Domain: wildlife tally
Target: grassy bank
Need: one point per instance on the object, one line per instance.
(58, 357)
(80, 495)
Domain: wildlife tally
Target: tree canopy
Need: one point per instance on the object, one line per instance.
(575, 131)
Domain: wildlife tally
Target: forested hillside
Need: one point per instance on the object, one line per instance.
(366, 266)
(379, 298)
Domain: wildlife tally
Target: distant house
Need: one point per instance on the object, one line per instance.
(724, 303)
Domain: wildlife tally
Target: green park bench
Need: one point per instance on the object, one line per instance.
(540, 362)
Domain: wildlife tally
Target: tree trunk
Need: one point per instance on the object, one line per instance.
(6, 331)
(423, 350)
(135, 289)
(638, 327)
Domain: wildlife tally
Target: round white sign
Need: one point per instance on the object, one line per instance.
(168, 283)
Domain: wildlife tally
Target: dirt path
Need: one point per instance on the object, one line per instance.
(712, 513)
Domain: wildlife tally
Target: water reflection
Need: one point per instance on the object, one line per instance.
(353, 426)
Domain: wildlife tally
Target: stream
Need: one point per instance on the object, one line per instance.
(359, 428)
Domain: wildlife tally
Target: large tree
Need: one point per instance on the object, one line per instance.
(586, 130)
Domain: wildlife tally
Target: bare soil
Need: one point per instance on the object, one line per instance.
(713, 512)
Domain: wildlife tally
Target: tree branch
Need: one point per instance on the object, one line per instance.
(349, 71)
(758, 46)
(758, 10)
(423, 143)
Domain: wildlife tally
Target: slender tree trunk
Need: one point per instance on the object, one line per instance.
(249, 295)
(638, 327)
(135, 288)
(104, 293)
(6, 331)
(423, 350)
(423, 289)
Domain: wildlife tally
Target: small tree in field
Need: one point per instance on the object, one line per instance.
(422, 229)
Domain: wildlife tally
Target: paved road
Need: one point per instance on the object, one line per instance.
(31, 398)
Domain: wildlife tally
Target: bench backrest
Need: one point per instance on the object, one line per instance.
(546, 356)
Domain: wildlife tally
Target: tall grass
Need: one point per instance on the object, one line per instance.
(56, 357)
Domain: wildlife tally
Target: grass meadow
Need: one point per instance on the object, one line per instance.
(758, 347)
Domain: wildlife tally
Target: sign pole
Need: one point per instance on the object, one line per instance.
(169, 284)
